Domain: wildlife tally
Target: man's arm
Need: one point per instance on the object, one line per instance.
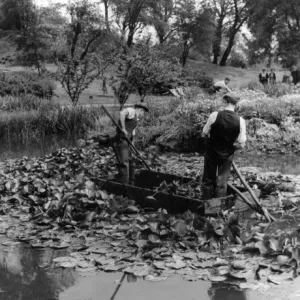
(123, 114)
(242, 138)
(211, 120)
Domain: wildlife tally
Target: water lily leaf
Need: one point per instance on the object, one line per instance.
(155, 278)
(282, 259)
(141, 243)
(151, 198)
(276, 268)
(240, 275)
(68, 264)
(223, 270)
(153, 226)
(141, 271)
(180, 228)
(205, 264)
(103, 261)
(260, 245)
(90, 185)
(132, 209)
(279, 279)
(154, 239)
(239, 265)
(104, 195)
(220, 262)
(213, 278)
(159, 265)
(179, 264)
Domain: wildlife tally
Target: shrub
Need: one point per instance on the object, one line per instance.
(236, 60)
(19, 83)
(196, 77)
(272, 90)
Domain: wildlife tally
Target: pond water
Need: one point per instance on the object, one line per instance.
(25, 275)
(35, 148)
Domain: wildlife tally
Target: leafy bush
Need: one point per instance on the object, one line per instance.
(236, 60)
(19, 83)
(272, 90)
(25, 102)
(196, 77)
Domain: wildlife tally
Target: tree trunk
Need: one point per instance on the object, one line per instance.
(185, 53)
(228, 49)
(106, 15)
(130, 37)
(217, 41)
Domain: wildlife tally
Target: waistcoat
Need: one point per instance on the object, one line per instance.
(224, 133)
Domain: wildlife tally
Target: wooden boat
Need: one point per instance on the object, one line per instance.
(143, 192)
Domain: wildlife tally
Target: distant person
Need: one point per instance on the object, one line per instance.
(272, 77)
(295, 73)
(220, 86)
(263, 77)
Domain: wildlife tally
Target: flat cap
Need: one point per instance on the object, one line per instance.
(142, 106)
(232, 98)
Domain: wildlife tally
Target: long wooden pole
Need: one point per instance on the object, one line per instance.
(126, 138)
(244, 182)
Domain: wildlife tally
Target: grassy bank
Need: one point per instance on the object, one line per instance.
(26, 118)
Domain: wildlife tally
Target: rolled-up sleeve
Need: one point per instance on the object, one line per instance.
(242, 138)
(211, 120)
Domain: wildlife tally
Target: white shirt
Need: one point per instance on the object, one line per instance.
(241, 139)
(222, 85)
(130, 115)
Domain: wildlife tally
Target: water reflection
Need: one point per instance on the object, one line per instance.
(22, 278)
(225, 292)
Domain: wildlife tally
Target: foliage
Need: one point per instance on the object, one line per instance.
(194, 28)
(18, 83)
(35, 41)
(143, 68)
(82, 62)
(272, 90)
(131, 16)
(276, 24)
(238, 61)
(230, 16)
(15, 14)
(197, 77)
(26, 118)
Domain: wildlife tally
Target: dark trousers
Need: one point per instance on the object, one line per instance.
(215, 176)
(125, 163)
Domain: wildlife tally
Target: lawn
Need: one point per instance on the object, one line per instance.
(240, 78)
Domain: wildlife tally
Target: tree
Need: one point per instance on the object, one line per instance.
(106, 13)
(140, 69)
(163, 11)
(194, 27)
(276, 30)
(36, 39)
(15, 14)
(132, 15)
(221, 9)
(83, 61)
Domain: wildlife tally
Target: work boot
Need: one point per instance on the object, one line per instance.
(207, 193)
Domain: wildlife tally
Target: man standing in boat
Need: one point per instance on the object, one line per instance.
(226, 132)
(128, 122)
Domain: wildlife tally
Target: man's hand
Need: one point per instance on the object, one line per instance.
(238, 146)
(124, 131)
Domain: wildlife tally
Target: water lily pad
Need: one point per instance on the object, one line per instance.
(155, 278)
(213, 278)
